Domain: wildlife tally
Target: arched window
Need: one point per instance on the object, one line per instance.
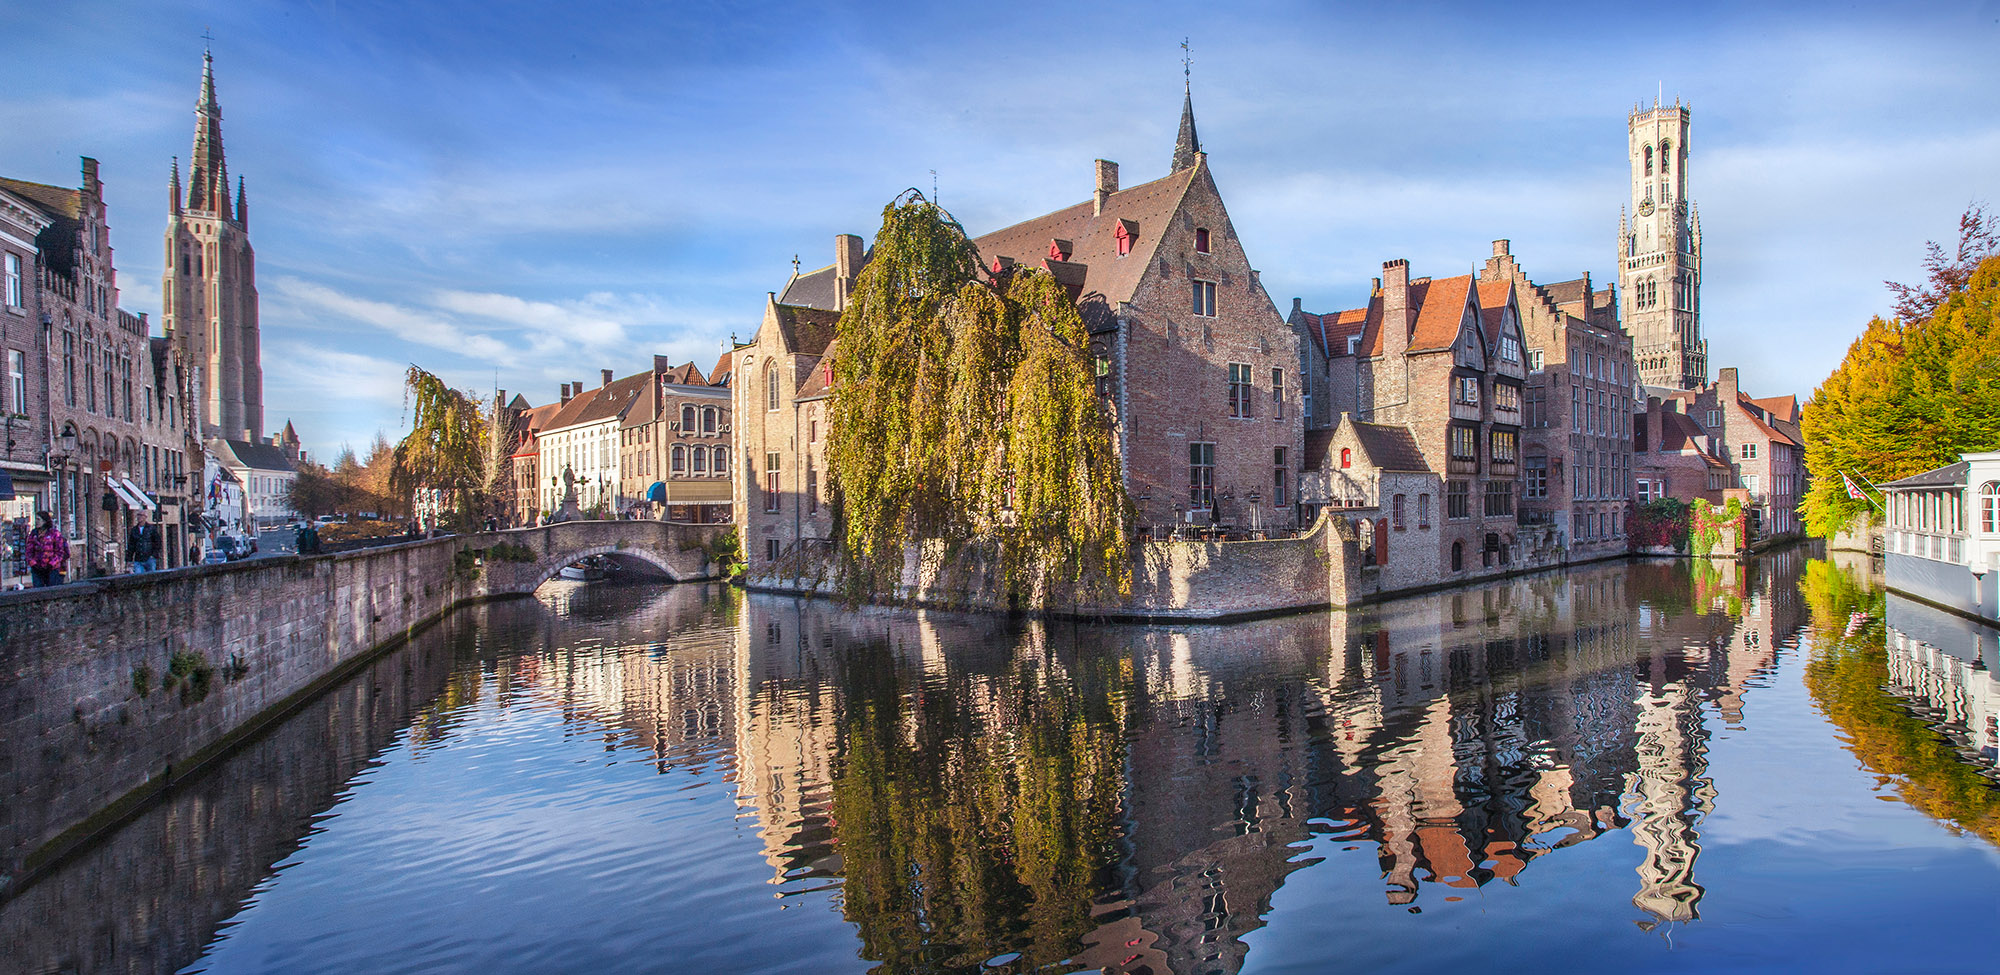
(678, 464)
(1989, 508)
(1457, 556)
(771, 386)
(708, 420)
(1649, 160)
(1666, 154)
(687, 420)
(700, 460)
(1346, 458)
(721, 461)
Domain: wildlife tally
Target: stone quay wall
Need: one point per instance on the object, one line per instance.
(1171, 580)
(114, 688)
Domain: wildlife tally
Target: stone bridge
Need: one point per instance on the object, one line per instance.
(113, 688)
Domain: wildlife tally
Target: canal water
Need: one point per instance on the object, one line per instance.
(1658, 766)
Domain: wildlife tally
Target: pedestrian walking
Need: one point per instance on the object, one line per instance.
(308, 539)
(142, 544)
(48, 551)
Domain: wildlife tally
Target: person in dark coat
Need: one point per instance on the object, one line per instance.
(142, 545)
(308, 540)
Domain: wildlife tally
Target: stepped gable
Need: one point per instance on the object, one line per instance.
(1086, 238)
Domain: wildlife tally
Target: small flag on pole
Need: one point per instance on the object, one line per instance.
(1852, 491)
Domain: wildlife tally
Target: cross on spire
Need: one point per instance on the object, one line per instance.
(207, 40)
(1187, 66)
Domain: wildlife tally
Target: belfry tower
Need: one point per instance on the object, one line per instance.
(209, 291)
(1659, 252)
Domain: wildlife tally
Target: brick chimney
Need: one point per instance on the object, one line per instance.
(1396, 312)
(1107, 184)
(565, 394)
(606, 373)
(576, 388)
(1725, 387)
(847, 259)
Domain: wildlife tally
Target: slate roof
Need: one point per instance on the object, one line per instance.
(1566, 292)
(252, 455)
(813, 289)
(1389, 448)
(1092, 237)
(1950, 475)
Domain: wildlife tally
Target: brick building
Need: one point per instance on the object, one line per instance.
(24, 399)
(1194, 362)
(1761, 442)
(676, 446)
(525, 504)
(1576, 469)
(1673, 457)
(1443, 360)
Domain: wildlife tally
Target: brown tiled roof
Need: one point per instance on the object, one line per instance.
(1389, 448)
(54, 200)
(724, 364)
(1764, 425)
(1329, 332)
(1492, 300)
(1093, 236)
(686, 375)
(1565, 292)
(1783, 409)
(608, 402)
(806, 331)
(1442, 312)
(644, 407)
(1319, 444)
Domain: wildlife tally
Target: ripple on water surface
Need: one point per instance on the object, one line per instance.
(1637, 768)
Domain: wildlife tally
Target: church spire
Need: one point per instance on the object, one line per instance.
(174, 189)
(208, 188)
(1188, 144)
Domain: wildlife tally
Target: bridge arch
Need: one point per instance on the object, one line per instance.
(547, 568)
(518, 561)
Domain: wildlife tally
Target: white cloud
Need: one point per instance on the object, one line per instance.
(396, 320)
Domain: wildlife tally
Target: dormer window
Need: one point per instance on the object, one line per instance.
(1127, 231)
(1059, 249)
(1201, 240)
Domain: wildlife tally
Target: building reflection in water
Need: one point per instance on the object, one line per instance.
(965, 780)
(1118, 798)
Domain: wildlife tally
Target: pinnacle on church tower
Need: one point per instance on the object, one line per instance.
(1659, 251)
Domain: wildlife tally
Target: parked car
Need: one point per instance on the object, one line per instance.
(329, 519)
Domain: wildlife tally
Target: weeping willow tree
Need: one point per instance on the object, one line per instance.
(964, 410)
(446, 447)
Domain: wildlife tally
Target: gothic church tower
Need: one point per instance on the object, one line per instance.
(1659, 253)
(209, 291)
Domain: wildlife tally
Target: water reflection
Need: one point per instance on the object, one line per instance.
(959, 793)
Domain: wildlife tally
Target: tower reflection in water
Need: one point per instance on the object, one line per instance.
(1144, 791)
(1121, 798)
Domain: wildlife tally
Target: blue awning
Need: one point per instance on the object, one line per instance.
(657, 493)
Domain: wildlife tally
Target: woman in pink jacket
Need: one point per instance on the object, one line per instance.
(48, 551)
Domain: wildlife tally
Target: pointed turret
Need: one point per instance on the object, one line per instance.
(1188, 144)
(174, 189)
(242, 207)
(208, 188)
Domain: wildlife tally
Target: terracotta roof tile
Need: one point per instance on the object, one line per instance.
(1492, 301)
(1443, 310)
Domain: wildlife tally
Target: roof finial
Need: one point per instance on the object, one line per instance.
(1188, 145)
(795, 265)
(1187, 67)
(207, 42)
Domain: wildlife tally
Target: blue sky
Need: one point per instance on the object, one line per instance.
(532, 192)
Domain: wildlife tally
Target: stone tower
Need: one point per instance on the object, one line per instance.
(209, 291)
(1659, 252)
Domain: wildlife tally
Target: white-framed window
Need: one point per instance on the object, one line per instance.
(677, 460)
(17, 381)
(700, 461)
(1749, 451)
(1203, 293)
(771, 481)
(13, 280)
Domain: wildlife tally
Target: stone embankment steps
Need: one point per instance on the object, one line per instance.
(112, 689)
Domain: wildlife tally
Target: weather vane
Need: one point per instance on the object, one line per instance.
(1187, 65)
(208, 40)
